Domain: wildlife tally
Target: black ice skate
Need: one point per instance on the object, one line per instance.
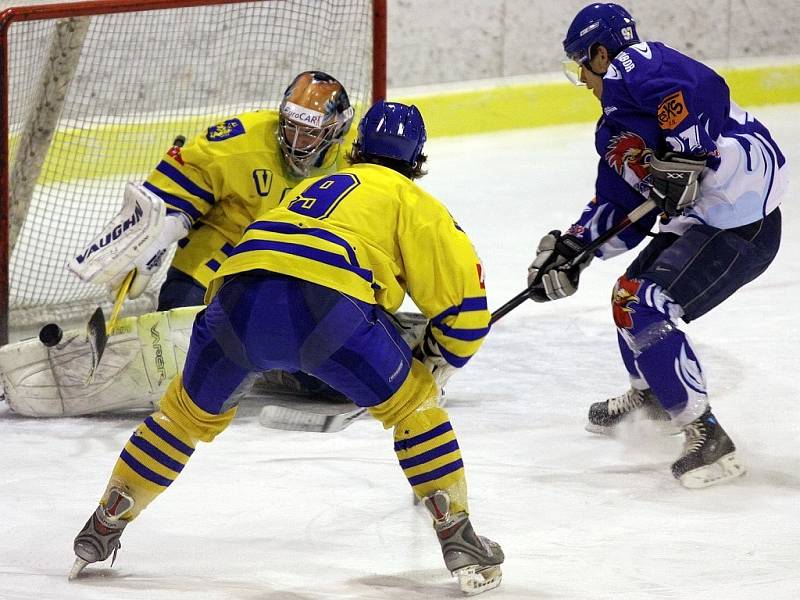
(709, 455)
(99, 538)
(604, 417)
(474, 559)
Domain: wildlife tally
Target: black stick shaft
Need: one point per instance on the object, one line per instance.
(631, 218)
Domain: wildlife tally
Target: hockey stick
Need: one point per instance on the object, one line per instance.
(97, 330)
(298, 419)
(631, 218)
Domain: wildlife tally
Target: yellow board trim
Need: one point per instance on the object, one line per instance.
(75, 155)
(524, 105)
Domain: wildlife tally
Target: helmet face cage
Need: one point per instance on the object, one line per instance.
(315, 113)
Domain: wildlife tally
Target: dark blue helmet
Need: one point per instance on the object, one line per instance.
(606, 24)
(392, 130)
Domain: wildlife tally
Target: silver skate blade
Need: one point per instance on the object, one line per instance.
(599, 429)
(727, 467)
(475, 580)
(76, 569)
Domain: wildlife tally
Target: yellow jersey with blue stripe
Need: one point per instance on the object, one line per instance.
(221, 180)
(375, 235)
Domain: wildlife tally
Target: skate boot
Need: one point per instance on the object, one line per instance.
(475, 560)
(709, 455)
(99, 538)
(604, 417)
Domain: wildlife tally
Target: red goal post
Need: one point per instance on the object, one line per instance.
(94, 92)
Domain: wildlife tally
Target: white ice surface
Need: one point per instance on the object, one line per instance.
(272, 515)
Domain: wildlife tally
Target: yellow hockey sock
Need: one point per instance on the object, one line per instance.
(427, 448)
(161, 446)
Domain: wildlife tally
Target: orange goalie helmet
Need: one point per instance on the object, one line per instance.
(315, 114)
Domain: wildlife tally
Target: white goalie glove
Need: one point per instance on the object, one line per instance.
(427, 351)
(138, 237)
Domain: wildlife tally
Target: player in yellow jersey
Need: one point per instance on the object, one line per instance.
(217, 183)
(310, 287)
(203, 194)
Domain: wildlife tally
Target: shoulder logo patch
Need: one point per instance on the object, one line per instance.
(223, 131)
(175, 153)
(672, 111)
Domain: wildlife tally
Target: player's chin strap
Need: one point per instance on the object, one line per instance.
(631, 218)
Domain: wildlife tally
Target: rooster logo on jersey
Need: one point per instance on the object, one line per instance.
(626, 292)
(629, 156)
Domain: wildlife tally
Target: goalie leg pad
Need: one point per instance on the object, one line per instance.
(142, 355)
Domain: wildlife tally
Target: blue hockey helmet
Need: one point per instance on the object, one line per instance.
(607, 24)
(392, 130)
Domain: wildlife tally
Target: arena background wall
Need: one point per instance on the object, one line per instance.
(485, 65)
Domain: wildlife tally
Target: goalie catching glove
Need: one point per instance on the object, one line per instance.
(138, 237)
(427, 351)
(676, 181)
(550, 275)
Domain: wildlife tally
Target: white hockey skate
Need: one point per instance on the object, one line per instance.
(474, 559)
(709, 455)
(99, 538)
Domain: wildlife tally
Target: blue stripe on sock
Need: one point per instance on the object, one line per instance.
(423, 437)
(436, 473)
(168, 437)
(430, 455)
(156, 454)
(140, 469)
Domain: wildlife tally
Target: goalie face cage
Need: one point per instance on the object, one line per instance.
(95, 92)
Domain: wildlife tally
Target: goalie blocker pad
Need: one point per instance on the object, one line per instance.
(133, 228)
(141, 357)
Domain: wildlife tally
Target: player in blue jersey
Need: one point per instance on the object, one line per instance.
(669, 132)
(310, 287)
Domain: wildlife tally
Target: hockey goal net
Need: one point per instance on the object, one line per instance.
(95, 92)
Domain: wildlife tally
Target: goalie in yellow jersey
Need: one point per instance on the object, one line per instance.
(217, 183)
(311, 286)
(202, 196)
